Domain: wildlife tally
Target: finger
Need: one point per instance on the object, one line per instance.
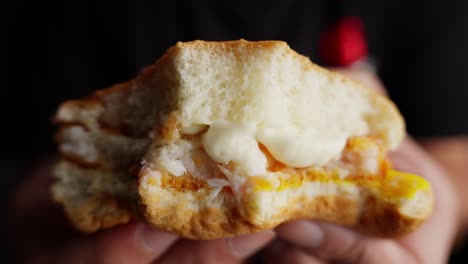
(230, 250)
(132, 243)
(430, 243)
(30, 207)
(281, 252)
(333, 243)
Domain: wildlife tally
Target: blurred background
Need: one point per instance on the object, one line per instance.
(58, 51)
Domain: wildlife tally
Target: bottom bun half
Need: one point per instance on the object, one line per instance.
(199, 212)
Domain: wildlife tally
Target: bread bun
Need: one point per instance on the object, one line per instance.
(219, 139)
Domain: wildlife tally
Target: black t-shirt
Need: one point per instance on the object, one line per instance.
(66, 50)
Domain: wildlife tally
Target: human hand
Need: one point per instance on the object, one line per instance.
(317, 242)
(42, 234)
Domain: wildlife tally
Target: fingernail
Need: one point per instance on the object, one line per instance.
(153, 239)
(303, 233)
(243, 246)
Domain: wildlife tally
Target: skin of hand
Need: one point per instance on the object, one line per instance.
(452, 154)
(42, 234)
(317, 242)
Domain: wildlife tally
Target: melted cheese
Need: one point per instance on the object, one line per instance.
(238, 142)
(235, 142)
(393, 185)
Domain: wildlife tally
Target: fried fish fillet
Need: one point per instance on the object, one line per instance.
(218, 139)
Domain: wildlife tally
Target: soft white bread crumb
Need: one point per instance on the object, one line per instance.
(274, 86)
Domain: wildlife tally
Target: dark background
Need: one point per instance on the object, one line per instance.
(58, 51)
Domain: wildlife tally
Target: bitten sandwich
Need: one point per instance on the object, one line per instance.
(219, 139)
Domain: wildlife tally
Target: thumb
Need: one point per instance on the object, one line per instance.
(329, 242)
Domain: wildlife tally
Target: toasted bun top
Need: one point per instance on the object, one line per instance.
(249, 92)
(265, 92)
(265, 82)
(270, 84)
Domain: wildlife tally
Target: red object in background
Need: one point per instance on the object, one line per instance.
(343, 43)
